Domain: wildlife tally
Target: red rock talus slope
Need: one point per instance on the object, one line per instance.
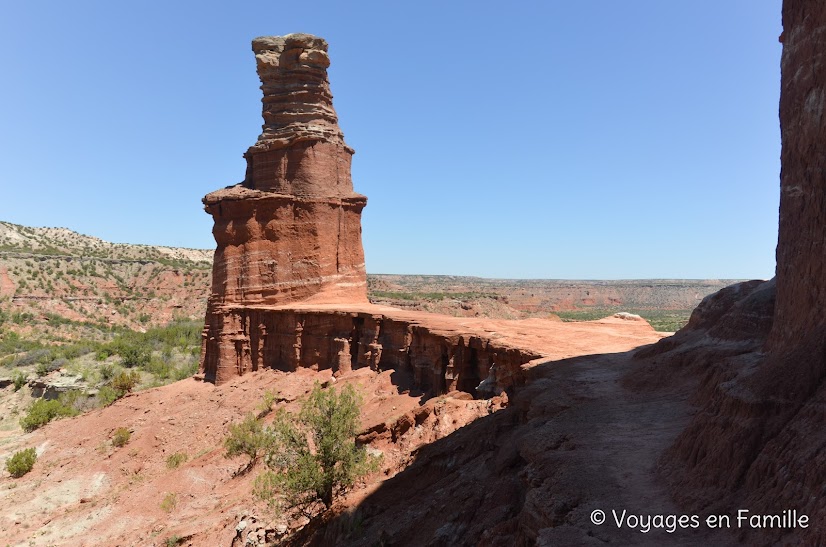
(292, 230)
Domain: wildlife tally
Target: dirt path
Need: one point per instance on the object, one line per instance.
(615, 438)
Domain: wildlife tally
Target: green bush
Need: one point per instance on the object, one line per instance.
(75, 350)
(108, 395)
(44, 411)
(19, 379)
(21, 462)
(35, 356)
(185, 371)
(126, 381)
(249, 438)
(107, 371)
(170, 501)
(305, 474)
(121, 437)
(11, 343)
(134, 356)
(267, 400)
(160, 368)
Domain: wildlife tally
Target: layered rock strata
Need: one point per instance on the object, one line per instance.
(339, 340)
(291, 231)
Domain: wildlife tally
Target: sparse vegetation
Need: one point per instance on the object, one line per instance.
(120, 437)
(21, 462)
(313, 457)
(250, 438)
(170, 501)
(108, 395)
(19, 380)
(660, 320)
(432, 296)
(125, 382)
(265, 407)
(107, 371)
(43, 411)
(175, 460)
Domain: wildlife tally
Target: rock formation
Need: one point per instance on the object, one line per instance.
(290, 235)
(801, 247)
(291, 231)
(759, 349)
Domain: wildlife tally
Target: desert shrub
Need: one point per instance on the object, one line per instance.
(44, 411)
(44, 368)
(11, 343)
(36, 356)
(175, 460)
(75, 350)
(170, 501)
(267, 400)
(107, 371)
(185, 371)
(250, 438)
(18, 379)
(303, 474)
(126, 381)
(108, 395)
(160, 368)
(121, 437)
(137, 355)
(135, 348)
(21, 462)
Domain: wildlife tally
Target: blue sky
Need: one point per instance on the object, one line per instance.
(592, 140)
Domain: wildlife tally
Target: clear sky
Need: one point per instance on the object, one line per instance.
(594, 139)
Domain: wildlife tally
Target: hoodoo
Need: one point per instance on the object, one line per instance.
(289, 288)
(291, 231)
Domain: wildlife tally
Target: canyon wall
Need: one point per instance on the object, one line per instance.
(759, 349)
(429, 360)
(801, 246)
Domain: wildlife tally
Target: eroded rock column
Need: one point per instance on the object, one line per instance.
(291, 231)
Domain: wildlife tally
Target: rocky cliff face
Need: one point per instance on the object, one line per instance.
(801, 247)
(437, 361)
(292, 230)
(757, 441)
